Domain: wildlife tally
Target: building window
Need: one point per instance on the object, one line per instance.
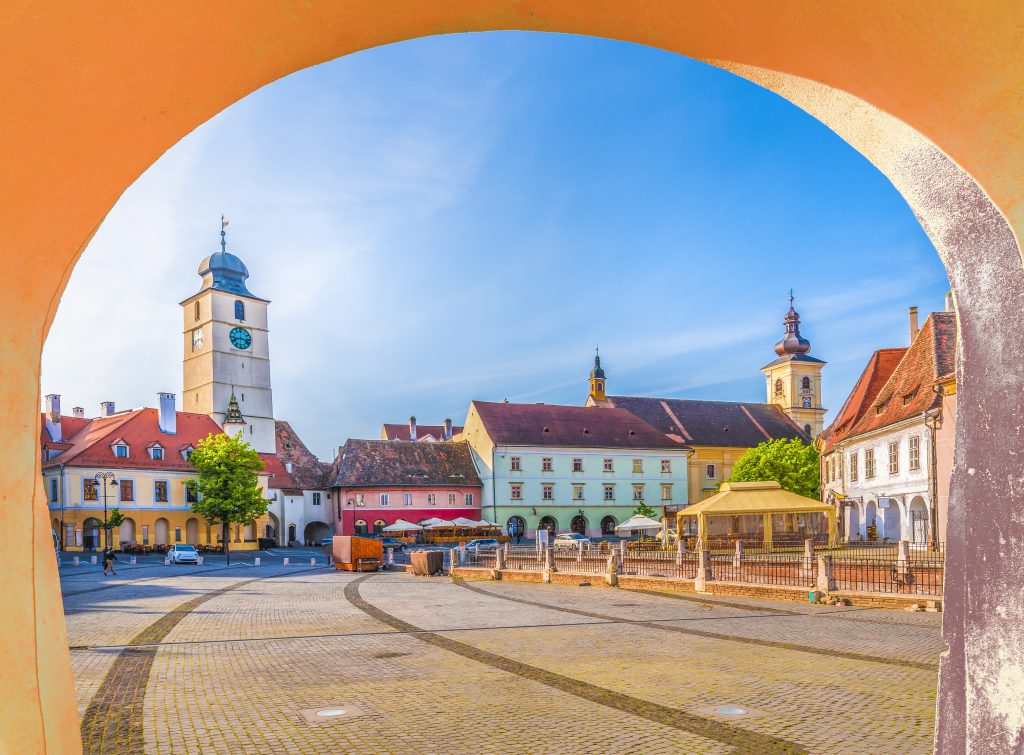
(517, 491)
(145, 534)
(431, 499)
(407, 499)
(638, 466)
(609, 465)
(385, 499)
(577, 492)
(316, 499)
(360, 526)
(853, 467)
(177, 534)
(53, 489)
(638, 492)
(469, 499)
(666, 492)
(89, 490)
(710, 471)
(806, 384)
(915, 452)
(515, 464)
(609, 492)
(666, 466)
(160, 491)
(239, 310)
(869, 463)
(807, 429)
(779, 389)
(451, 499)
(547, 492)
(577, 465)
(156, 453)
(196, 311)
(127, 490)
(360, 499)
(191, 493)
(186, 453)
(894, 458)
(545, 464)
(121, 451)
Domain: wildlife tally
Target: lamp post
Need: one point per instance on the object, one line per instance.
(103, 479)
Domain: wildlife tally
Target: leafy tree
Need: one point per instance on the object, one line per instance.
(642, 509)
(790, 463)
(114, 519)
(228, 489)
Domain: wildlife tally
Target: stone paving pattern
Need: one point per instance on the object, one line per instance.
(498, 666)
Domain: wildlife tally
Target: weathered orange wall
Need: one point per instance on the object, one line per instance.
(93, 93)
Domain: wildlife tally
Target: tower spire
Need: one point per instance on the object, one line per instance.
(223, 235)
(792, 342)
(597, 378)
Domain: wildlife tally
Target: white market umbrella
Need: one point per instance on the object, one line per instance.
(485, 523)
(639, 522)
(462, 521)
(441, 524)
(402, 526)
(430, 522)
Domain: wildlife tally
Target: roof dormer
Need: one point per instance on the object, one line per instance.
(156, 451)
(119, 447)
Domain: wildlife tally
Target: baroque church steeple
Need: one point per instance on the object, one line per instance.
(597, 378)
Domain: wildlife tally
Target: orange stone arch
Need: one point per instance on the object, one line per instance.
(930, 92)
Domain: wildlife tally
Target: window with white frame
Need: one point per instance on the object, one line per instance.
(121, 450)
(469, 499)
(914, 449)
(894, 457)
(853, 467)
(547, 492)
(577, 491)
(451, 499)
(577, 465)
(609, 465)
(316, 499)
(407, 499)
(869, 463)
(609, 492)
(360, 499)
(53, 489)
(666, 466)
(385, 499)
(517, 491)
(156, 453)
(515, 464)
(126, 490)
(545, 464)
(638, 492)
(431, 499)
(160, 491)
(666, 491)
(90, 489)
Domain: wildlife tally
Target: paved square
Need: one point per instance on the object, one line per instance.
(214, 659)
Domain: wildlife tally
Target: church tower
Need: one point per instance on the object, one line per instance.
(794, 379)
(597, 380)
(227, 352)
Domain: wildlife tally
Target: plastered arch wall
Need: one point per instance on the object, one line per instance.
(931, 93)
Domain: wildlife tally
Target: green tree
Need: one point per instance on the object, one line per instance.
(227, 489)
(791, 463)
(114, 519)
(642, 509)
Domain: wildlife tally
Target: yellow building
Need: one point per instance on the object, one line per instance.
(135, 461)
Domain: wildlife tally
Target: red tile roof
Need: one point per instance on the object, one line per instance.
(404, 463)
(279, 477)
(574, 426)
(908, 391)
(308, 472)
(90, 445)
(394, 431)
(879, 369)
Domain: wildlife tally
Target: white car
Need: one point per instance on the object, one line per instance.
(571, 540)
(483, 543)
(183, 554)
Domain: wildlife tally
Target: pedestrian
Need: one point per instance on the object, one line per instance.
(519, 538)
(108, 562)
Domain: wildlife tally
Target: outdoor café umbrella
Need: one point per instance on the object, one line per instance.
(442, 524)
(461, 521)
(402, 526)
(639, 522)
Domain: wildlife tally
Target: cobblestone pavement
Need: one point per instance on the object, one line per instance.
(238, 660)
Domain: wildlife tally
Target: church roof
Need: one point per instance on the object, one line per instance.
(402, 463)
(711, 423)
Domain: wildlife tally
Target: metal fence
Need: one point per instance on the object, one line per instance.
(661, 563)
(481, 558)
(787, 569)
(525, 558)
(884, 575)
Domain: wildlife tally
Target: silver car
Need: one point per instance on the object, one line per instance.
(183, 554)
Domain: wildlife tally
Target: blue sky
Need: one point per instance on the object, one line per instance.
(465, 217)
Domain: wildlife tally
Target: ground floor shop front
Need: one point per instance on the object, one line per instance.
(80, 530)
(592, 521)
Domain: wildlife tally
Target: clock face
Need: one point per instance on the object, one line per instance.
(197, 339)
(240, 338)
(807, 402)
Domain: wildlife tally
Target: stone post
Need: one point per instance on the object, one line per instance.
(612, 572)
(284, 562)
(199, 560)
(92, 560)
(453, 560)
(256, 561)
(704, 573)
(134, 561)
(680, 550)
(549, 559)
(579, 557)
(826, 582)
(312, 561)
(499, 558)
(737, 559)
(75, 561)
(903, 558)
(808, 565)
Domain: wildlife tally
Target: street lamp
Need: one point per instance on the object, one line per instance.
(103, 479)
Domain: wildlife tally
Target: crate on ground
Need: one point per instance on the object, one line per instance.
(353, 553)
(426, 563)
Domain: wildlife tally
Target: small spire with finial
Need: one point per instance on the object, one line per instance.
(223, 235)
(790, 298)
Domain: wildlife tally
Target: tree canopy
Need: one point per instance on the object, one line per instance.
(790, 462)
(228, 487)
(642, 509)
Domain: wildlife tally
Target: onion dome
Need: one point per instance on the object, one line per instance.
(597, 372)
(792, 342)
(223, 270)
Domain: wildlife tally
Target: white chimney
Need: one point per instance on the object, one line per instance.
(106, 408)
(78, 412)
(447, 428)
(288, 467)
(168, 420)
(913, 323)
(53, 417)
(949, 301)
(412, 428)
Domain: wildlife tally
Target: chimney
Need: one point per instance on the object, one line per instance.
(106, 408)
(949, 301)
(168, 420)
(447, 428)
(78, 412)
(288, 467)
(53, 417)
(913, 323)
(412, 428)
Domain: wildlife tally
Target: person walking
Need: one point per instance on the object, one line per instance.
(108, 562)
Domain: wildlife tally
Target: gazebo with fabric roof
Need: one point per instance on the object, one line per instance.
(759, 511)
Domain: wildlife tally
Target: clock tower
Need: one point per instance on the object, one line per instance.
(226, 370)
(794, 379)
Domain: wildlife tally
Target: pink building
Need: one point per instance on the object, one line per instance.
(374, 483)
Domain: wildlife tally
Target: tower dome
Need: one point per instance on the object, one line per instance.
(598, 371)
(792, 342)
(223, 270)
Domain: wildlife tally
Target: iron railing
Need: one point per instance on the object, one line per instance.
(883, 575)
(787, 569)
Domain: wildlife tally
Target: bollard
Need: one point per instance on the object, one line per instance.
(199, 560)
(133, 561)
(453, 560)
(285, 561)
(549, 559)
(826, 580)
(903, 558)
(75, 561)
(612, 572)
(499, 559)
(808, 565)
(256, 561)
(167, 560)
(92, 560)
(312, 562)
(737, 559)
(579, 556)
(680, 551)
(704, 572)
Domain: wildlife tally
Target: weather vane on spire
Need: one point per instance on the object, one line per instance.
(223, 235)
(791, 297)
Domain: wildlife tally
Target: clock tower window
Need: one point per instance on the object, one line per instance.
(239, 310)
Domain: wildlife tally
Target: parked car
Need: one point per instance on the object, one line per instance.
(391, 543)
(571, 540)
(483, 543)
(327, 541)
(183, 554)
